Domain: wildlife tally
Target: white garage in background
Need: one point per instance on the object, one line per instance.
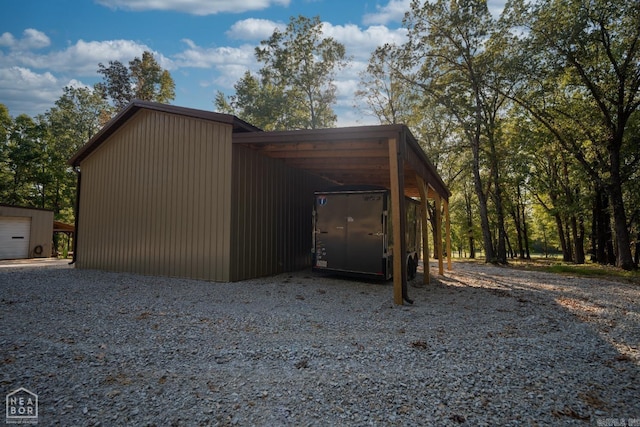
(15, 232)
(25, 232)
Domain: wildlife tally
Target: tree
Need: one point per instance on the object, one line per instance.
(144, 79)
(384, 91)
(77, 115)
(446, 57)
(294, 88)
(6, 124)
(590, 49)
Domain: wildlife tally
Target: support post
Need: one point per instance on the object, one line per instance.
(424, 220)
(448, 233)
(439, 234)
(396, 175)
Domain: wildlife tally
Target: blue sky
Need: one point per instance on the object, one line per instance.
(207, 45)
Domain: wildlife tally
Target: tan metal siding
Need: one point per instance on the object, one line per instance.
(271, 215)
(154, 198)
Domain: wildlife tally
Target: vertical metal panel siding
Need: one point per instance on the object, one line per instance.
(153, 197)
(271, 215)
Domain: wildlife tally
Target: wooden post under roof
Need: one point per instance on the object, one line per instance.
(438, 234)
(396, 175)
(448, 233)
(424, 220)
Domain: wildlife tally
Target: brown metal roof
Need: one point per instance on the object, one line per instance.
(115, 123)
(346, 156)
(350, 155)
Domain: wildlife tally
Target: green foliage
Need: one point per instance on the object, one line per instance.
(35, 152)
(144, 79)
(576, 72)
(294, 88)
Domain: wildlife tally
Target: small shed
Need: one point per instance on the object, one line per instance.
(173, 191)
(25, 232)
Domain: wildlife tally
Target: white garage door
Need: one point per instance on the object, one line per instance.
(14, 237)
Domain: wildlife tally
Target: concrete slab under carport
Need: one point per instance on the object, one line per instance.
(386, 155)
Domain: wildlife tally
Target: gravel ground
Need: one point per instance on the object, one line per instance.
(481, 346)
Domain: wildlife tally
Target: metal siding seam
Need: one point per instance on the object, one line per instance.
(149, 197)
(122, 225)
(183, 207)
(220, 220)
(227, 204)
(159, 230)
(170, 201)
(247, 198)
(104, 240)
(213, 241)
(209, 184)
(188, 197)
(137, 173)
(219, 186)
(155, 153)
(238, 213)
(197, 264)
(254, 240)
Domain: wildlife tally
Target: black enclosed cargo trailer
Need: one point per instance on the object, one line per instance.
(352, 232)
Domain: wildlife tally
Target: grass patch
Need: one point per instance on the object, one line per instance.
(557, 266)
(581, 270)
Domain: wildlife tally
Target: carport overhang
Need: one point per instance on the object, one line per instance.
(386, 155)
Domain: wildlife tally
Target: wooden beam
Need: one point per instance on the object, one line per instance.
(424, 220)
(448, 233)
(327, 152)
(439, 234)
(322, 145)
(397, 213)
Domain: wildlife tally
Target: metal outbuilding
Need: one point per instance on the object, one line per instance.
(25, 232)
(173, 191)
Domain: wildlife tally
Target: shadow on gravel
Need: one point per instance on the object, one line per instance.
(597, 323)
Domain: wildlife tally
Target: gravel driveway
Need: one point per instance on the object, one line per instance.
(481, 346)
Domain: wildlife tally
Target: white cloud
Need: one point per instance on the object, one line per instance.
(361, 43)
(202, 57)
(194, 7)
(253, 29)
(28, 92)
(82, 58)
(7, 39)
(393, 12)
(32, 39)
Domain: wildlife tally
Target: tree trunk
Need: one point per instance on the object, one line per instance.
(624, 259)
(467, 202)
(604, 249)
(578, 239)
(515, 214)
(525, 232)
(567, 237)
(566, 253)
(501, 253)
(482, 201)
(510, 252)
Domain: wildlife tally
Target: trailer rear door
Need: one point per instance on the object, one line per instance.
(349, 232)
